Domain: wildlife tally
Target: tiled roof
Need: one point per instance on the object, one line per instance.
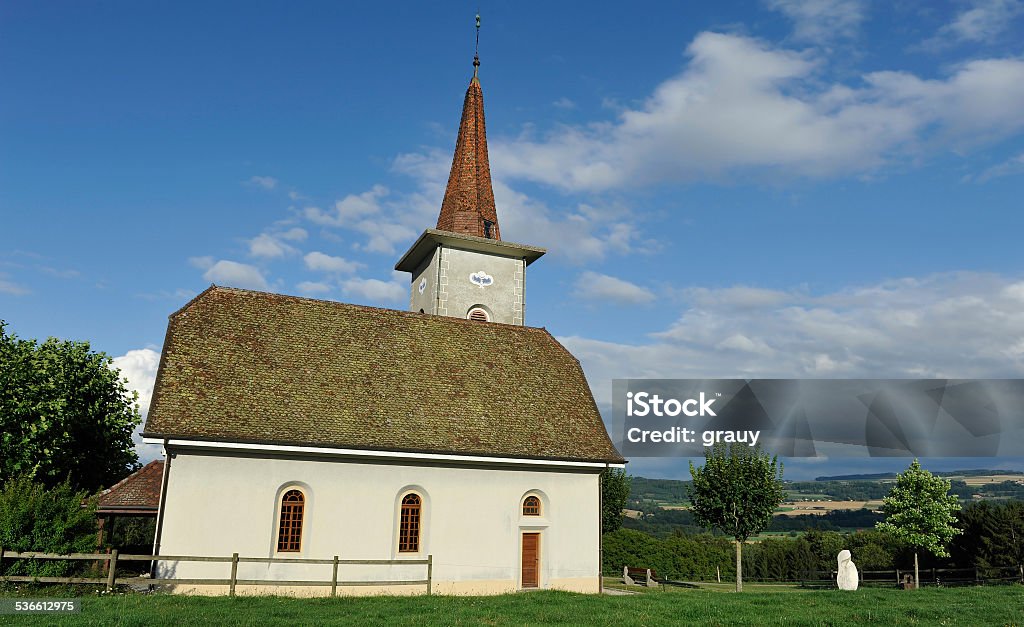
(138, 491)
(469, 197)
(247, 366)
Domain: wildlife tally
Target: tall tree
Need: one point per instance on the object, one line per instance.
(64, 414)
(615, 484)
(921, 513)
(737, 491)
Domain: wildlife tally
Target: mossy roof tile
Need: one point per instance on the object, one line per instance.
(247, 366)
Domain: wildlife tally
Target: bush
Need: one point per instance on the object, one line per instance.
(54, 520)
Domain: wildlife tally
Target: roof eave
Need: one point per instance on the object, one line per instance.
(432, 238)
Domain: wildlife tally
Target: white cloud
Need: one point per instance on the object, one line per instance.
(1010, 167)
(180, 295)
(203, 263)
(984, 21)
(234, 274)
(739, 297)
(8, 286)
(821, 21)
(580, 232)
(269, 246)
(294, 234)
(375, 290)
(744, 106)
(385, 224)
(326, 263)
(601, 287)
(266, 182)
(564, 103)
(350, 208)
(957, 325)
(313, 287)
(139, 367)
(66, 273)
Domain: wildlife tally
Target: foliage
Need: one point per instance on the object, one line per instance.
(737, 490)
(685, 557)
(48, 520)
(993, 535)
(614, 492)
(64, 413)
(657, 491)
(920, 512)
(135, 532)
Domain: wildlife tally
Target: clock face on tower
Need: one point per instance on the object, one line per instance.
(481, 279)
(423, 285)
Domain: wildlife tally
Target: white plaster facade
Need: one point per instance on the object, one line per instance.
(219, 502)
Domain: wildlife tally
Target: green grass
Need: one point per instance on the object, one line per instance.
(959, 606)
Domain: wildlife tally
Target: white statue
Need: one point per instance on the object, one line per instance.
(847, 577)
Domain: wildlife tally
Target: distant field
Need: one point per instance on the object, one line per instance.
(987, 479)
(798, 508)
(762, 605)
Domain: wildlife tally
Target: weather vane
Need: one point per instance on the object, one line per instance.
(476, 53)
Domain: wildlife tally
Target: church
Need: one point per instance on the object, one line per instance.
(302, 428)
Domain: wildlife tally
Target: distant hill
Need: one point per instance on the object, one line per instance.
(891, 475)
(865, 477)
(650, 494)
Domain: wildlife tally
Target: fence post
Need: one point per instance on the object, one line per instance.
(935, 580)
(112, 573)
(718, 573)
(234, 573)
(898, 582)
(334, 578)
(1, 560)
(430, 572)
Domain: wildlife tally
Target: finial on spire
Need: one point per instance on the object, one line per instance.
(476, 53)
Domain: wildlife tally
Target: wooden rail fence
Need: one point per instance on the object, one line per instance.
(111, 579)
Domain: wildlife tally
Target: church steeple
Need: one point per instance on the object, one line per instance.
(468, 206)
(462, 268)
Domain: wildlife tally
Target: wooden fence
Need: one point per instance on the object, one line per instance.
(929, 577)
(111, 579)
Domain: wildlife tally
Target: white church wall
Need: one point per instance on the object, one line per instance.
(423, 294)
(500, 291)
(472, 522)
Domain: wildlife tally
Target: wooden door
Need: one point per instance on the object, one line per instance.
(531, 559)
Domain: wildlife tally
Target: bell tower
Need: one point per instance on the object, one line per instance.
(463, 268)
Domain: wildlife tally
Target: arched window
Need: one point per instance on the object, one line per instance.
(409, 525)
(289, 533)
(479, 315)
(531, 506)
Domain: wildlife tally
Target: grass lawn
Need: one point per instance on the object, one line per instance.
(1002, 605)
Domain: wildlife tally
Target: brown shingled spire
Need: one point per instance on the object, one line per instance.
(468, 205)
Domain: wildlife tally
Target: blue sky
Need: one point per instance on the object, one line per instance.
(752, 189)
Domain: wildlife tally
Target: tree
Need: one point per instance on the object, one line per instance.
(48, 520)
(64, 414)
(615, 484)
(920, 513)
(737, 491)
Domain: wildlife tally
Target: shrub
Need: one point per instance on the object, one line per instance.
(54, 520)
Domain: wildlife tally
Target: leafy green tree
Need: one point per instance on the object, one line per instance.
(921, 513)
(48, 520)
(993, 535)
(64, 413)
(737, 491)
(615, 485)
